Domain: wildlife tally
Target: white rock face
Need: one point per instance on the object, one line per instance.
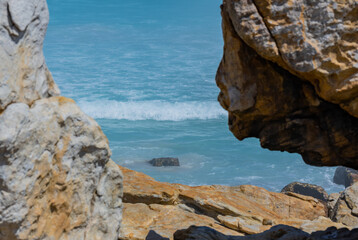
(56, 177)
(24, 76)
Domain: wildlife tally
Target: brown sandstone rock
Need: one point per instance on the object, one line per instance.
(165, 208)
(289, 76)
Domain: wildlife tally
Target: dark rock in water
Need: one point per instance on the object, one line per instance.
(166, 162)
(345, 176)
(152, 235)
(307, 190)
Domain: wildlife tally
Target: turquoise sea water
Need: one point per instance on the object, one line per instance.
(145, 70)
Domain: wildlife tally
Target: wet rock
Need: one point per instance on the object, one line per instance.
(345, 176)
(165, 162)
(307, 190)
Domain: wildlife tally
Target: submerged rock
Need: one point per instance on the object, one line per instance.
(289, 77)
(345, 176)
(307, 190)
(165, 162)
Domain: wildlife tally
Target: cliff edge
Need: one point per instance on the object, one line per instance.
(289, 76)
(56, 177)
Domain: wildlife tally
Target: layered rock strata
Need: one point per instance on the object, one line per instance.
(289, 76)
(56, 177)
(236, 211)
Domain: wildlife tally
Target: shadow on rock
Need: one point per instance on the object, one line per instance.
(152, 235)
(279, 232)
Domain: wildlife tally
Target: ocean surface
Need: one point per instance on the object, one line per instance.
(145, 70)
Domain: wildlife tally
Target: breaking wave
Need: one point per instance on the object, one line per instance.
(152, 110)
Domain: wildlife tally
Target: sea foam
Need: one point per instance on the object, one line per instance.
(152, 110)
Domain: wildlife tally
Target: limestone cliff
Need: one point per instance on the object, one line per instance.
(56, 177)
(289, 76)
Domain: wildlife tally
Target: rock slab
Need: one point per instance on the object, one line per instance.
(150, 205)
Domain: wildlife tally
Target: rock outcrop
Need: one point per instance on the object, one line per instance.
(236, 211)
(23, 72)
(289, 76)
(56, 177)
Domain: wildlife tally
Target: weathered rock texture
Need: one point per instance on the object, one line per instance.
(236, 211)
(289, 76)
(345, 209)
(56, 177)
(23, 72)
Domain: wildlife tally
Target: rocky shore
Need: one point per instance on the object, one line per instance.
(288, 76)
(165, 208)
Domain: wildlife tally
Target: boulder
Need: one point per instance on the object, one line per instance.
(165, 162)
(346, 208)
(345, 176)
(307, 190)
(289, 74)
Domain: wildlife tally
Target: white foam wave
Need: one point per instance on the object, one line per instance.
(152, 110)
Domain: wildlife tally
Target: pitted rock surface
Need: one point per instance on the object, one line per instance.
(24, 76)
(289, 74)
(57, 180)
